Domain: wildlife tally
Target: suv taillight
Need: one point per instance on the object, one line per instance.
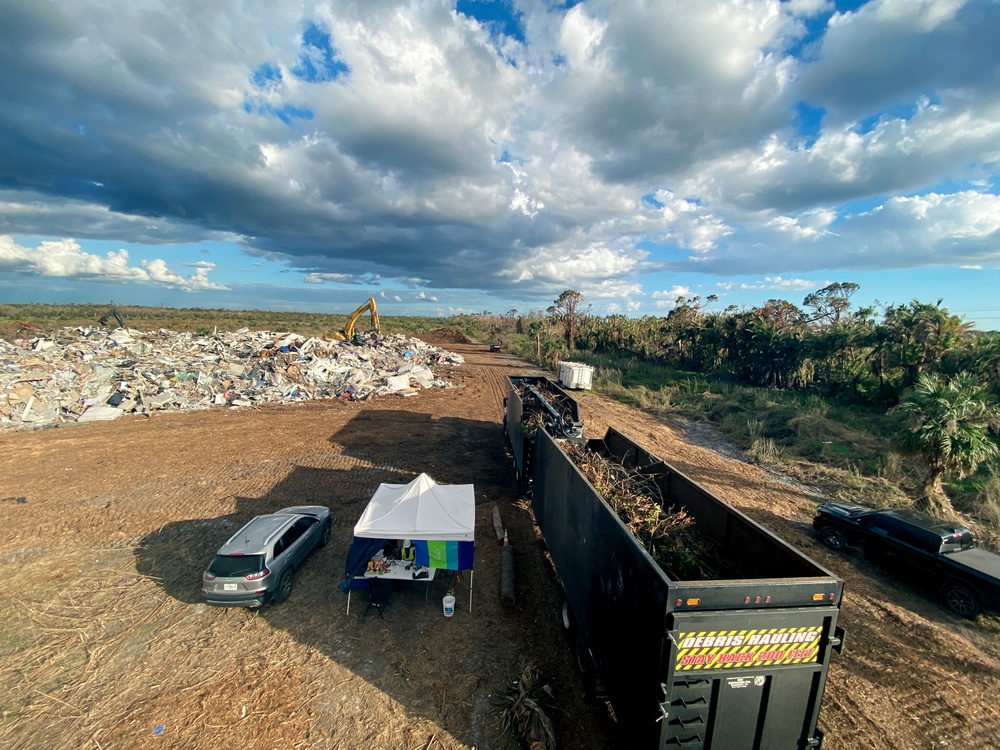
(208, 576)
(258, 576)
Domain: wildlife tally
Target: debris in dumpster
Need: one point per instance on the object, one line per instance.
(88, 373)
(668, 534)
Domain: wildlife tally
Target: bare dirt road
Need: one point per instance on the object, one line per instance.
(105, 643)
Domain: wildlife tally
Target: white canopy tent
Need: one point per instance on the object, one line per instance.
(422, 509)
(439, 519)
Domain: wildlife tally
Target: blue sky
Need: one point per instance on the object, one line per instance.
(450, 157)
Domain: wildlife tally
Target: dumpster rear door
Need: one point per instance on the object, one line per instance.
(747, 680)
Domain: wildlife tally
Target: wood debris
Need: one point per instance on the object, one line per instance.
(668, 534)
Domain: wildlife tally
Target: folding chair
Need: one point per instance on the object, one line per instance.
(378, 598)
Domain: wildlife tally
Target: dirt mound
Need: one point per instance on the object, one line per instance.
(449, 335)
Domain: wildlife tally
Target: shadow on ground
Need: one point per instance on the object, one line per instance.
(439, 668)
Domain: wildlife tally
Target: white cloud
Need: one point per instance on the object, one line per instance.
(625, 138)
(558, 266)
(808, 8)
(65, 259)
(896, 155)
(903, 232)
(667, 298)
(322, 278)
(775, 284)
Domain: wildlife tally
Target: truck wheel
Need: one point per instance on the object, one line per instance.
(832, 538)
(962, 600)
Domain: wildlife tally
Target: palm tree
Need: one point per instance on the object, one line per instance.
(920, 335)
(946, 423)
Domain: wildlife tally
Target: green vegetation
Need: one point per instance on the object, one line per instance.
(946, 422)
(810, 388)
(48, 318)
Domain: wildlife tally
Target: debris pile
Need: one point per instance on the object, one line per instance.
(86, 374)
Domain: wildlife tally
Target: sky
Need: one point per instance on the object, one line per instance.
(462, 156)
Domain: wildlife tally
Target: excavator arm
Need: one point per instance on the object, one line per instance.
(347, 332)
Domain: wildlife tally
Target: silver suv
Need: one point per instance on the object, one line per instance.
(258, 563)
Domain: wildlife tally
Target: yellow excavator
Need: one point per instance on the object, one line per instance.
(347, 332)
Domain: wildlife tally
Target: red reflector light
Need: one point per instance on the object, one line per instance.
(693, 602)
(831, 597)
(258, 576)
(767, 600)
(746, 599)
(756, 600)
(678, 603)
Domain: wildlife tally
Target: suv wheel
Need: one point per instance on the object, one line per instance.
(284, 589)
(962, 601)
(324, 534)
(832, 538)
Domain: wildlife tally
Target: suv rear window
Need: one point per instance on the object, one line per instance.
(230, 566)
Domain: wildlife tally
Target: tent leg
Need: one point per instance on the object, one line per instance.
(472, 573)
(348, 601)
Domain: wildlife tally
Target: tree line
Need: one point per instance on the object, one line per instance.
(938, 376)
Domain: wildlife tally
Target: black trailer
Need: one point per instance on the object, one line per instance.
(544, 403)
(726, 664)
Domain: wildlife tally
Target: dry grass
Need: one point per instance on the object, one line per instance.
(97, 655)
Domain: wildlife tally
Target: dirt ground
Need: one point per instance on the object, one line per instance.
(105, 642)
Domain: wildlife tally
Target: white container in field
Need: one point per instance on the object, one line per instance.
(576, 375)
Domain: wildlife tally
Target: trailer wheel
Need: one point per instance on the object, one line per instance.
(585, 664)
(521, 481)
(832, 538)
(567, 616)
(962, 600)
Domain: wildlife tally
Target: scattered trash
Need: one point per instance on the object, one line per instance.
(159, 730)
(87, 374)
(17, 500)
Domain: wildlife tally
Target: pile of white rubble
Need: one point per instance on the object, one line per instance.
(86, 374)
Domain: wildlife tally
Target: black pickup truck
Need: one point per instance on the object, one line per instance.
(941, 553)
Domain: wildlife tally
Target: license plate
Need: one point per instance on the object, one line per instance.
(230, 586)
